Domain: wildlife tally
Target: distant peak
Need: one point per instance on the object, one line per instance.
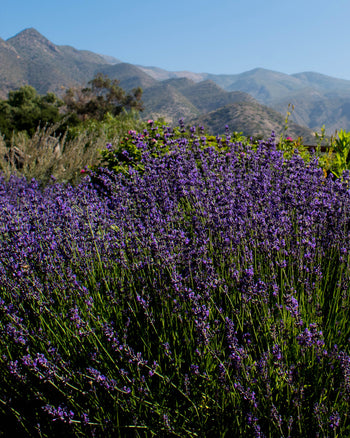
(30, 30)
(29, 34)
(311, 74)
(29, 39)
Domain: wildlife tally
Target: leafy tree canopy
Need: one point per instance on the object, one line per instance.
(25, 110)
(102, 96)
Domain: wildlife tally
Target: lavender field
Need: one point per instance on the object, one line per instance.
(202, 293)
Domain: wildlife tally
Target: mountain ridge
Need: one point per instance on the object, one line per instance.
(30, 58)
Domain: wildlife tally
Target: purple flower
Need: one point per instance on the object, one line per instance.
(61, 413)
(334, 420)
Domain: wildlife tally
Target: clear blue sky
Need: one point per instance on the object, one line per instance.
(222, 36)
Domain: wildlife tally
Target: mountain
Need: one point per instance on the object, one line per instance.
(111, 59)
(11, 71)
(324, 101)
(316, 108)
(166, 101)
(265, 85)
(317, 99)
(30, 58)
(253, 120)
(207, 95)
(182, 97)
(205, 103)
(129, 75)
(323, 82)
(160, 74)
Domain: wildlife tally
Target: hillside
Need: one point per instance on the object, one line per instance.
(318, 99)
(253, 120)
(165, 101)
(11, 68)
(30, 58)
(47, 67)
(313, 108)
(129, 75)
(182, 97)
(208, 96)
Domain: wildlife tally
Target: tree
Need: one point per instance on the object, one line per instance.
(103, 96)
(25, 110)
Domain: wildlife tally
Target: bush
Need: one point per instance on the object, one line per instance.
(158, 139)
(47, 154)
(207, 295)
(25, 110)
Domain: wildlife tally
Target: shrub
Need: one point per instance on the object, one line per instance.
(158, 139)
(47, 154)
(207, 295)
(25, 110)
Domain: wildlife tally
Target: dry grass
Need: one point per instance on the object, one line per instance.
(46, 155)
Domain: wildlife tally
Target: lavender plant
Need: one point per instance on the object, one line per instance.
(157, 138)
(203, 292)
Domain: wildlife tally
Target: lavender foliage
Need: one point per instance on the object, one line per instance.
(203, 293)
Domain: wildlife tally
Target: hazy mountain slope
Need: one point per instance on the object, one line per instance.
(318, 99)
(181, 84)
(208, 96)
(11, 68)
(48, 67)
(30, 58)
(313, 108)
(253, 119)
(129, 75)
(323, 82)
(165, 101)
(265, 85)
(324, 101)
(111, 59)
(182, 97)
(208, 104)
(161, 75)
(224, 81)
(34, 46)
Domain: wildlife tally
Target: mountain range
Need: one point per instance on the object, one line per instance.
(253, 102)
